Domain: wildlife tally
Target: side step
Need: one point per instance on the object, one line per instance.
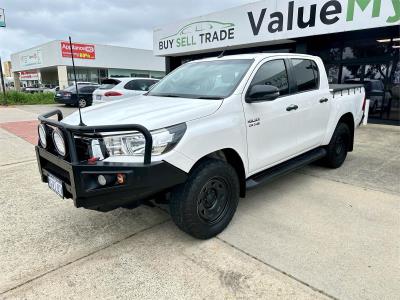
(285, 168)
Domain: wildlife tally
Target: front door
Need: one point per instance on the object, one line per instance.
(272, 126)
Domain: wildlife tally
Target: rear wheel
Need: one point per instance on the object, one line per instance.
(338, 146)
(204, 205)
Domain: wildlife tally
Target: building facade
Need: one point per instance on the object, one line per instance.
(7, 68)
(51, 63)
(359, 41)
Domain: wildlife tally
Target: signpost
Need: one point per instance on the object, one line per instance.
(2, 24)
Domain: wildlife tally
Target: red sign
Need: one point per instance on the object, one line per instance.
(29, 75)
(83, 51)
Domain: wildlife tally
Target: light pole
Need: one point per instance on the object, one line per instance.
(2, 24)
(2, 82)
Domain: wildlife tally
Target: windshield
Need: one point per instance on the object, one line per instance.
(215, 79)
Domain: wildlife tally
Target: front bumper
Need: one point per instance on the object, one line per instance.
(80, 180)
(79, 175)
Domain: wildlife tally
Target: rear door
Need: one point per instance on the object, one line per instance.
(314, 101)
(87, 91)
(272, 126)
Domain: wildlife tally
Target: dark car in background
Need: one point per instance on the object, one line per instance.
(375, 92)
(69, 96)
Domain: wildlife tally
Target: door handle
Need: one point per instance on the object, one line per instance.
(292, 107)
(323, 100)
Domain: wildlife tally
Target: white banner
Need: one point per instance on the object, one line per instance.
(274, 20)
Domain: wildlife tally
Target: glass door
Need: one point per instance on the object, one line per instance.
(374, 77)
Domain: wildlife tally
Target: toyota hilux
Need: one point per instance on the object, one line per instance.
(208, 132)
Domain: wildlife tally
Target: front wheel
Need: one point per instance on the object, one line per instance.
(338, 146)
(82, 103)
(204, 205)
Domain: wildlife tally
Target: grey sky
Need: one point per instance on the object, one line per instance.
(122, 22)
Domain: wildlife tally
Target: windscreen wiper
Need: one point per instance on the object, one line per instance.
(166, 95)
(210, 97)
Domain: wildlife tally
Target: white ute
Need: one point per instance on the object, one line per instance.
(201, 137)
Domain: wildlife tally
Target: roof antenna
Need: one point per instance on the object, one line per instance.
(222, 54)
(76, 83)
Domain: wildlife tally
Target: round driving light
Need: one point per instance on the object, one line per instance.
(42, 131)
(102, 180)
(59, 142)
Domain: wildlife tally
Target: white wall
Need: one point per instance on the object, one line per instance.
(106, 57)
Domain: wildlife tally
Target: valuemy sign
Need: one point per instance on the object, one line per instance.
(82, 51)
(2, 18)
(273, 20)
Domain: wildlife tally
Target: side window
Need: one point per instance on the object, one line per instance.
(87, 89)
(273, 73)
(316, 73)
(139, 85)
(306, 74)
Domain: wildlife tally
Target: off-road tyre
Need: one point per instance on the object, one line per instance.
(338, 146)
(204, 205)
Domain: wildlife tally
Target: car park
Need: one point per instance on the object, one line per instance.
(120, 88)
(202, 137)
(51, 89)
(69, 96)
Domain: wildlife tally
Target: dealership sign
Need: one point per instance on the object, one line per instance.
(2, 18)
(82, 51)
(31, 58)
(269, 21)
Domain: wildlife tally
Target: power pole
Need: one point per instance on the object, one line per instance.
(2, 82)
(2, 24)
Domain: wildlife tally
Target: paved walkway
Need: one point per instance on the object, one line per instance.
(314, 234)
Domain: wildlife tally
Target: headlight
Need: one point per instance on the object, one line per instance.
(59, 142)
(164, 140)
(42, 131)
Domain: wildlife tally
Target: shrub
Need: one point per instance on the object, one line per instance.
(15, 98)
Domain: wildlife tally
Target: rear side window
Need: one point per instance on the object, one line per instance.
(139, 85)
(87, 89)
(273, 73)
(108, 84)
(306, 74)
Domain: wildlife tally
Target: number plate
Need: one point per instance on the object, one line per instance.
(56, 185)
(98, 97)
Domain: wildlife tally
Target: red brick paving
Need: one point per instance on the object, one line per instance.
(24, 129)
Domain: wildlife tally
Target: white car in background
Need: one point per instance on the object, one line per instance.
(119, 88)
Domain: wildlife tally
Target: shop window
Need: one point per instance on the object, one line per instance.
(305, 76)
(351, 73)
(142, 75)
(394, 90)
(333, 73)
(330, 54)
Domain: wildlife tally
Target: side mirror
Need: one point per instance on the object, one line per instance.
(259, 93)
